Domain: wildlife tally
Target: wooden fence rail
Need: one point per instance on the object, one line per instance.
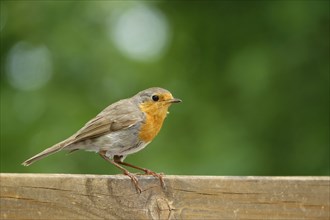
(66, 196)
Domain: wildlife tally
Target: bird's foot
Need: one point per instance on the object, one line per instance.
(158, 175)
(134, 180)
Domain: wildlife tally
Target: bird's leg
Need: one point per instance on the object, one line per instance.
(147, 171)
(126, 172)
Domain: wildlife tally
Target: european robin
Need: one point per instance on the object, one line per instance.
(124, 127)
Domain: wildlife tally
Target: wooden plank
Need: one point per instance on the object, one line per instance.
(65, 196)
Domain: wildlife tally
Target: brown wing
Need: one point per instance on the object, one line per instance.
(120, 115)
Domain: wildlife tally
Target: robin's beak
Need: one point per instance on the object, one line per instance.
(174, 100)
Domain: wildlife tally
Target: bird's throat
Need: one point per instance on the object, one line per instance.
(155, 115)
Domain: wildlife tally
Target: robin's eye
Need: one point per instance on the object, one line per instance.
(155, 98)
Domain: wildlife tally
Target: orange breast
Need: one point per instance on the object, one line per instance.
(155, 115)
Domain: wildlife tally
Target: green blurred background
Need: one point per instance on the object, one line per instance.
(253, 77)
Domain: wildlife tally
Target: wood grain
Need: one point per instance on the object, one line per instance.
(65, 196)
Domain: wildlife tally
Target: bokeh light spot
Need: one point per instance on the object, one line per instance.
(28, 67)
(141, 33)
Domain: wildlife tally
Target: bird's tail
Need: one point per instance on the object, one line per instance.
(55, 148)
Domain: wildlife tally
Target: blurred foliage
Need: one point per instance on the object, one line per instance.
(253, 77)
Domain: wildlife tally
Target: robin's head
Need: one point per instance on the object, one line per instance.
(155, 100)
(154, 103)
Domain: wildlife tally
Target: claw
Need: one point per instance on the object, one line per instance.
(158, 175)
(134, 180)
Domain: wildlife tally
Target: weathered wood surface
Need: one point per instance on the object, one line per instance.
(64, 196)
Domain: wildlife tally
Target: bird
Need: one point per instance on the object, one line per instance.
(123, 128)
